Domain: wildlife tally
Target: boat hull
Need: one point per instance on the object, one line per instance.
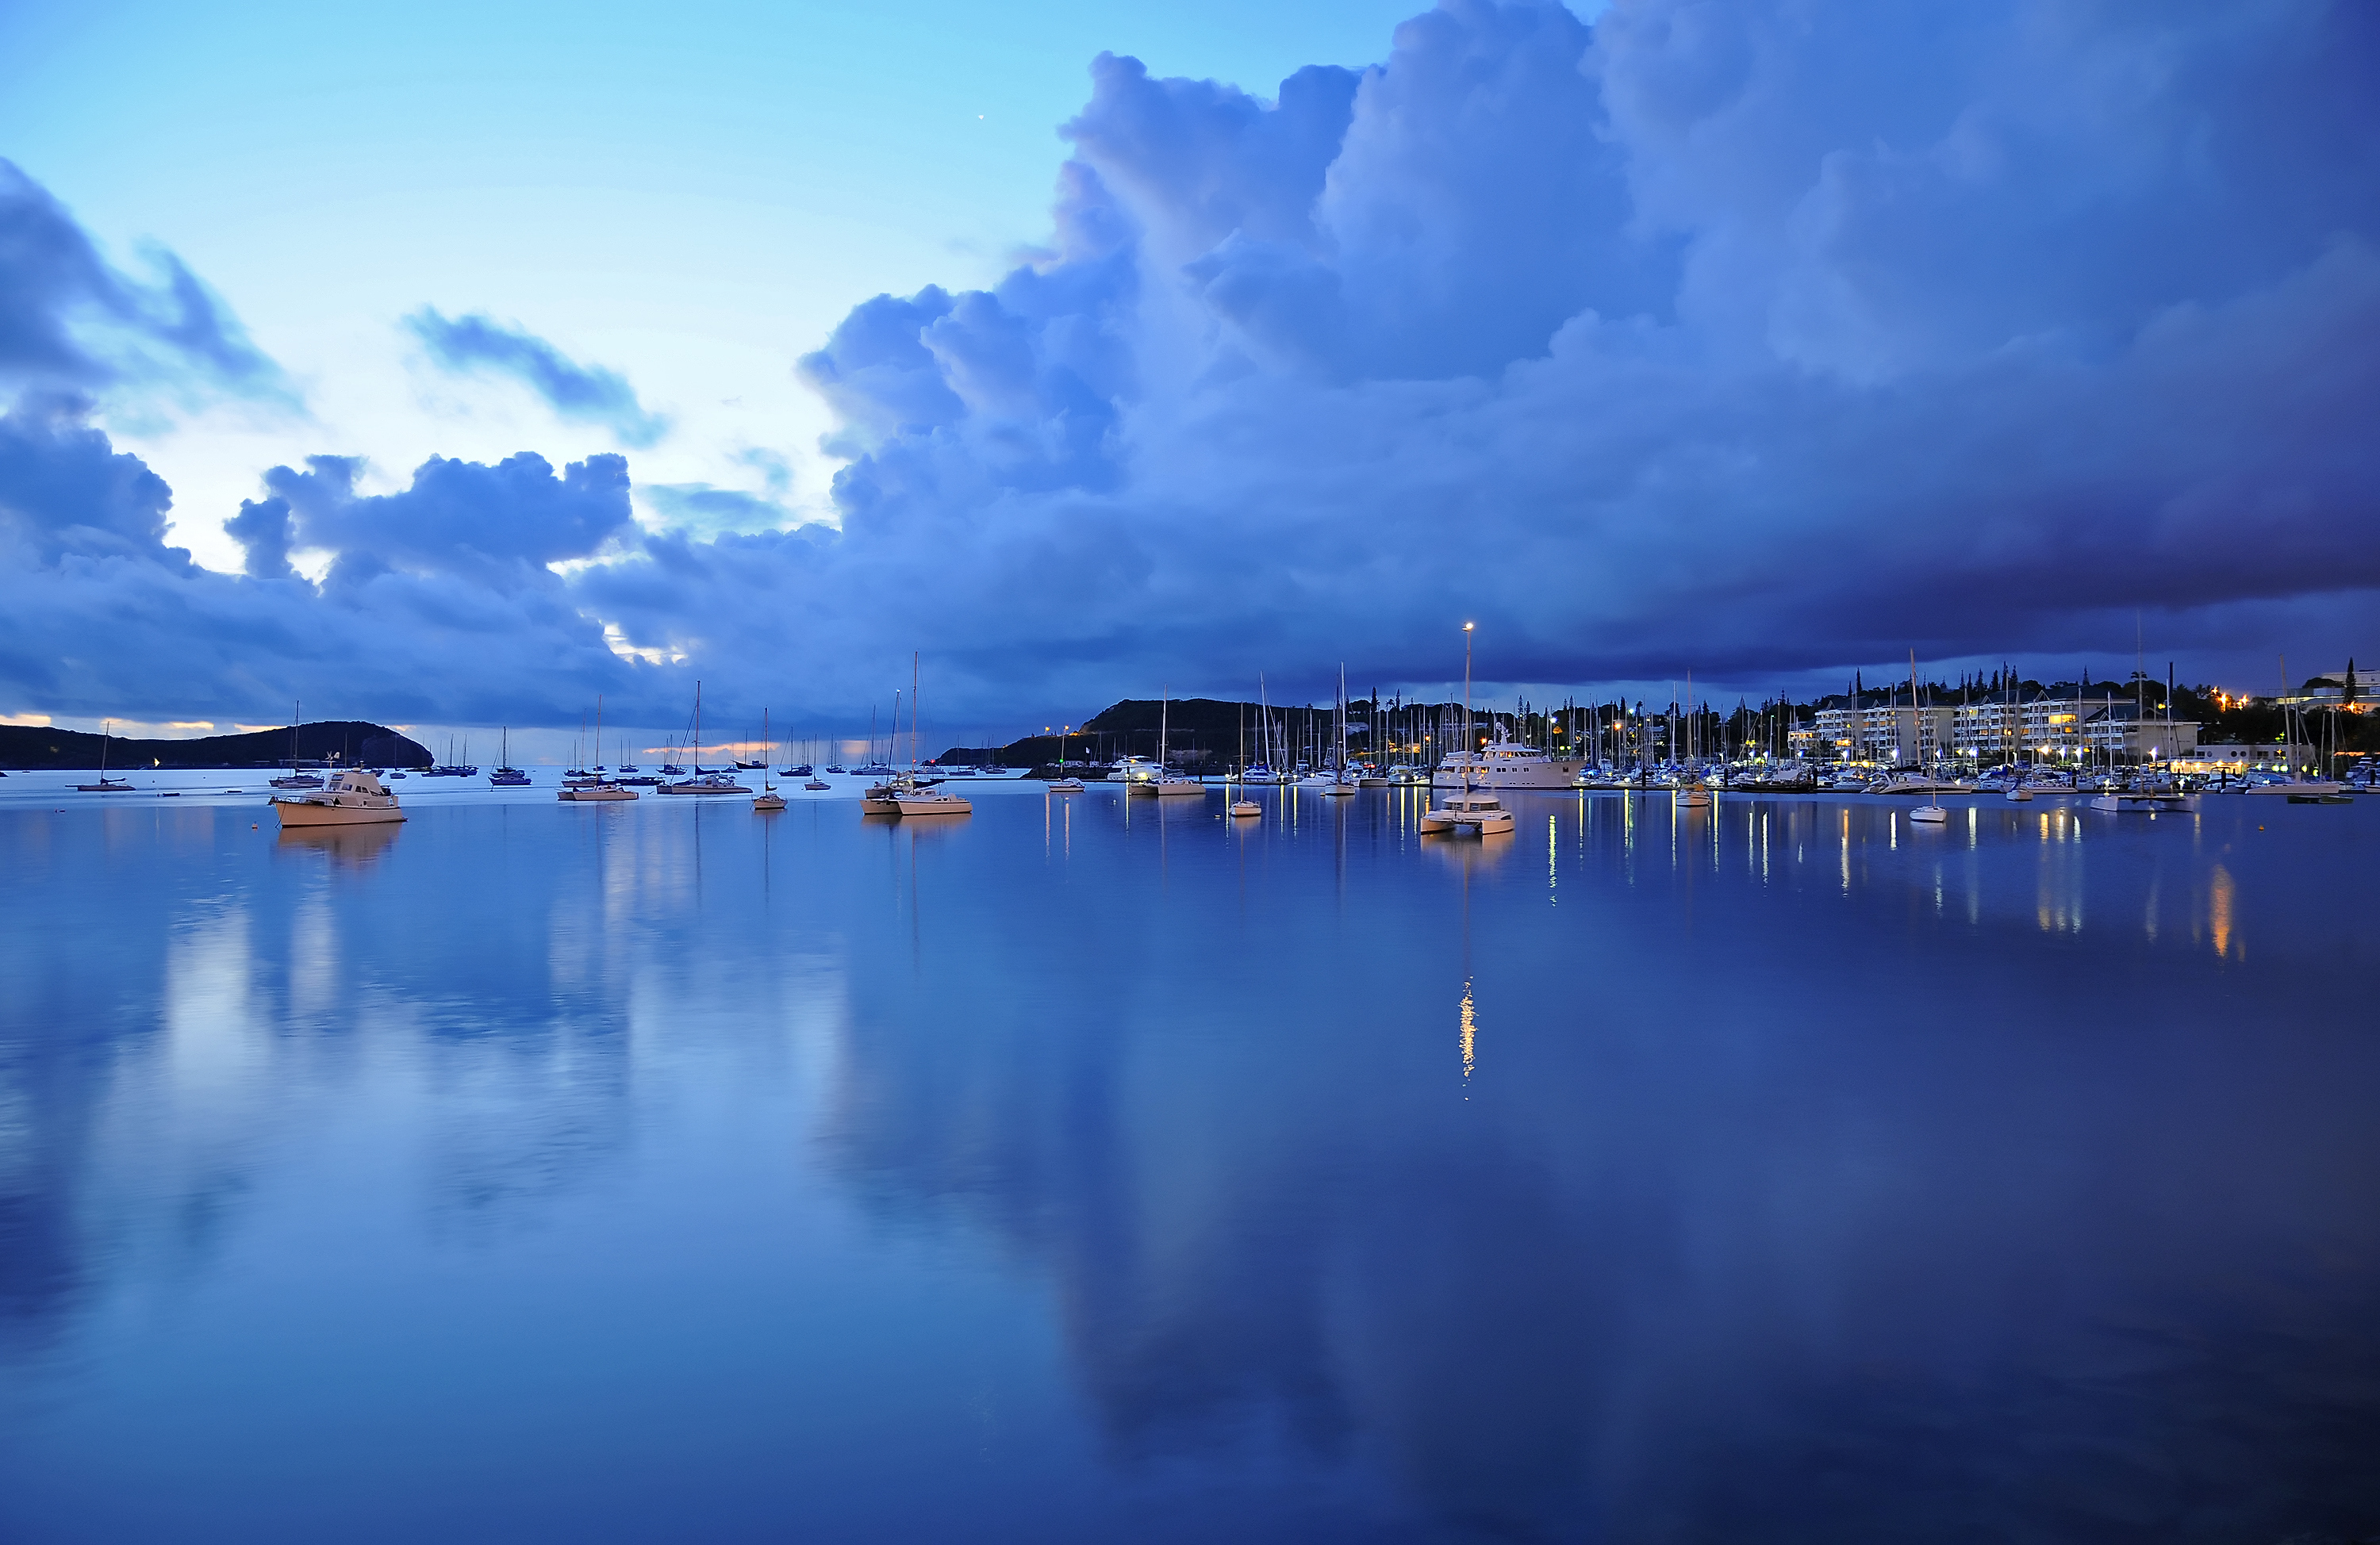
(297, 813)
(1486, 824)
(910, 809)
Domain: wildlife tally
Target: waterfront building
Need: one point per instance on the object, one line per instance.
(1844, 732)
(2133, 736)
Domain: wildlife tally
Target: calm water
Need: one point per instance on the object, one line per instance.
(1072, 1173)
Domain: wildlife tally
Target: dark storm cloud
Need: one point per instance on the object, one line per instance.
(586, 393)
(1750, 339)
(68, 318)
(1743, 338)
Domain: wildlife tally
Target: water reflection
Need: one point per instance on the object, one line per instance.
(350, 846)
(1815, 1187)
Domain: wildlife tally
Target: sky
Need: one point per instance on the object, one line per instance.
(449, 366)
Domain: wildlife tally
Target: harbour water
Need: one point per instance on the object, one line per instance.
(1086, 1170)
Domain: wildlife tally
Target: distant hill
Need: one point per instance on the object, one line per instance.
(1201, 729)
(352, 741)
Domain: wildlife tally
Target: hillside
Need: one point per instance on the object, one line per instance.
(346, 740)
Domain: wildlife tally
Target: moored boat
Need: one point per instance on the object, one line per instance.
(350, 799)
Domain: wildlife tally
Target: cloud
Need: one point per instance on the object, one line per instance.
(585, 393)
(1745, 339)
(500, 527)
(1726, 338)
(67, 319)
(65, 491)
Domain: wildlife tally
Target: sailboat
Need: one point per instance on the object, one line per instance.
(1931, 813)
(1480, 813)
(297, 777)
(1245, 806)
(589, 790)
(107, 784)
(1166, 783)
(905, 794)
(1340, 784)
(1695, 796)
(1065, 782)
(768, 800)
(702, 783)
(506, 776)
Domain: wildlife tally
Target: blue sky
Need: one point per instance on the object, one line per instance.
(1750, 339)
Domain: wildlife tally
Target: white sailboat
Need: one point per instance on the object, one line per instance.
(1065, 782)
(1338, 784)
(1164, 783)
(1931, 813)
(593, 789)
(699, 781)
(903, 794)
(768, 800)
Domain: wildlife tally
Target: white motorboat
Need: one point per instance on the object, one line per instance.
(709, 783)
(1066, 786)
(597, 792)
(1507, 763)
(350, 799)
(2298, 785)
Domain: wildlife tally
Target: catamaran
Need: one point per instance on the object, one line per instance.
(1478, 812)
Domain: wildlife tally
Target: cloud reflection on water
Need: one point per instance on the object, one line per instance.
(1789, 1178)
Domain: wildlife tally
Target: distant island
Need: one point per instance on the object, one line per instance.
(350, 741)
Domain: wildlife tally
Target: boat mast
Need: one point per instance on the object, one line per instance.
(1467, 706)
(913, 713)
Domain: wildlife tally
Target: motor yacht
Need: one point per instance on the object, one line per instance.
(708, 783)
(350, 799)
(1506, 764)
(595, 793)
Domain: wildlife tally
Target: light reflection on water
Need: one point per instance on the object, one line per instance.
(1086, 1170)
